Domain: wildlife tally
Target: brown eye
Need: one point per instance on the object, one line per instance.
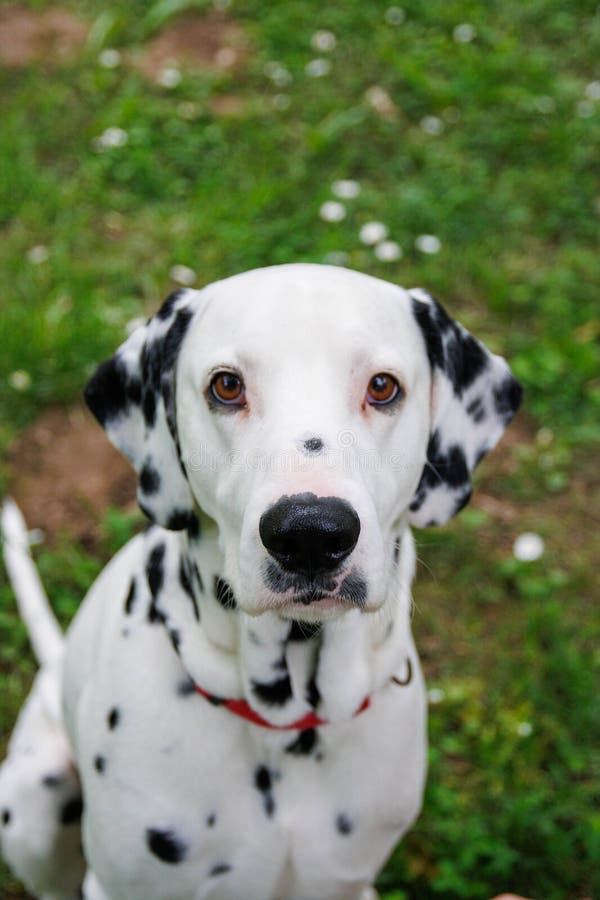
(228, 388)
(383, 389)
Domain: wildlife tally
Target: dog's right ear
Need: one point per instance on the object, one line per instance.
(133, 397)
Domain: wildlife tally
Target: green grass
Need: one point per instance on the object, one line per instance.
(510, 188)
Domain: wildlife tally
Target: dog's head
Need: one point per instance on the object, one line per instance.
(310, 412)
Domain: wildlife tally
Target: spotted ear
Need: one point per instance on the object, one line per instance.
(133, 394)
(474, 397)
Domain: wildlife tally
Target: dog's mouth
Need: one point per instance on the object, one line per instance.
(342, 589)
(315, 596)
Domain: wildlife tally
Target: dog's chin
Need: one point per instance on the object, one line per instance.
(316, 608)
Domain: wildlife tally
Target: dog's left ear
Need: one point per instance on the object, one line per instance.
(133, 397)
(474, 397)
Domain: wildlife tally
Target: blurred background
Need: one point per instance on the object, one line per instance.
(455, 145)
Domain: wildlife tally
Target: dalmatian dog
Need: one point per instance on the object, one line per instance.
(237, 710)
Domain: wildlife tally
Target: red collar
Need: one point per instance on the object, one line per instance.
(243, 709)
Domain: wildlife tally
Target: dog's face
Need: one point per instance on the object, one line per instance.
(310, 389)
(309, 411)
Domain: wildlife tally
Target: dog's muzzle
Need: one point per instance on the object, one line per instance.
(309, 535)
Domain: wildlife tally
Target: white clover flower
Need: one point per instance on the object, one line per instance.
(545, 104)
(544, 437)
(323, 41)
(38, 254)
(336, 258)
(109, 58)
(432, 125)
(20, 380)
(345, 189)
(332, 211)
(278, 74)
(528, 547)
(592, 90)
(226, 57)
(546, 461)
(428, 243)
(585, 109)
(524, 729)
(373, 233)
(183, 275)
(188, 110)
(395, 15)
(317, 68)
(388, 251)
(169, 77)
(379, 99)
(110, 138)
(282, 101)
(464, 33)
(114, 221)
(436, 695)
(451, 115)
(134, 324)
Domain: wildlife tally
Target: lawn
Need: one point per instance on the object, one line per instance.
(150, 149)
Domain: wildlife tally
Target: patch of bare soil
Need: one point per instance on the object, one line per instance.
(212, 41)
(51, 35)
(64, 474)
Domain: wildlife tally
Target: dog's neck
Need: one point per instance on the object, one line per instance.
(286, 669)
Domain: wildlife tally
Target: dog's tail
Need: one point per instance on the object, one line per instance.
(44, 631)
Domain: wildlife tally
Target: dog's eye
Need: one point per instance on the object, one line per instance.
(228, 388)
(383, 389)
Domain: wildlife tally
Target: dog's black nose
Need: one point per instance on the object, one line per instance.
(309, 535)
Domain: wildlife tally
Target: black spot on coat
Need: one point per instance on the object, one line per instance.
(343, 824)
(113, 718)
(166, 845)
(149, 479)
(313, 695)
(449, 346)
(303, 631)
(130, 599)
(507, 398)
(52, 781)
(166, 310)
(449, 467)
(313, 445)
(155, 572)
(175, 637)
(273, 693)
(6, 816)
(186, 687)
(219, 869)
(304, 743)
(264, 783)
(476, 411)
(186, 583)
(112, 390)
(181, 519)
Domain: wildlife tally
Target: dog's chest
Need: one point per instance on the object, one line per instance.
(201, 803)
